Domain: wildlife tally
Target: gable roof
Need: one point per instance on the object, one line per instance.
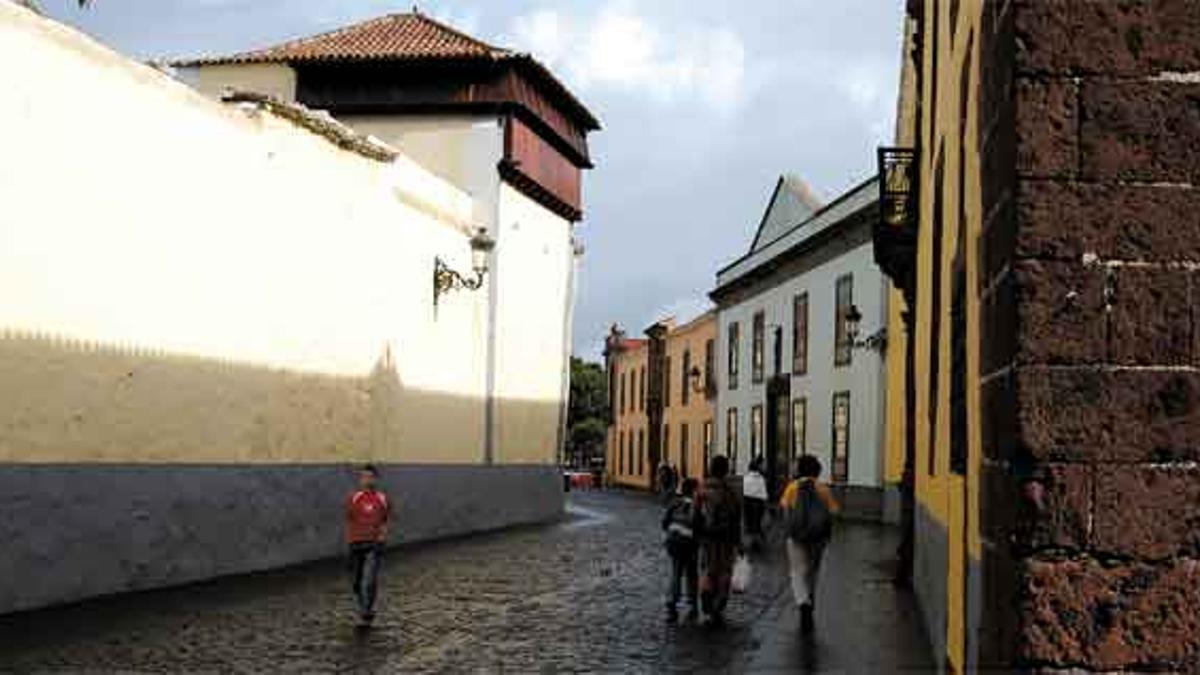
(394, 37)
(792, 202)
(409, 37)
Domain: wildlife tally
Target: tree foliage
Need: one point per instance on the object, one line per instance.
(587, 412)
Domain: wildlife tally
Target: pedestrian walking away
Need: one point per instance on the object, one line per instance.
(754, 495)
(680, 522)
(368, 515)
(666, 481)
(720, 540)
(809, 507)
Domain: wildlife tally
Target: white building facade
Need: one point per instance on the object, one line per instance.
(791, 380)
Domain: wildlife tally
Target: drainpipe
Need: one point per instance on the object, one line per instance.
(575, 254)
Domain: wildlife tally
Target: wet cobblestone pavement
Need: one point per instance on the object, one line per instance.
(582, 595)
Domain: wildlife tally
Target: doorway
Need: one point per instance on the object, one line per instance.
(779, 439)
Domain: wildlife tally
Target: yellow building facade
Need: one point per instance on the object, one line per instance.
(627, 462)
(687, 427)
(661, 391)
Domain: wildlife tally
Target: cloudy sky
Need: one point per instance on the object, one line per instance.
(704, 104)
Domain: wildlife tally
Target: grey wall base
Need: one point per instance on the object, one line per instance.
(75, 531)
(871, 504)
(930, 565)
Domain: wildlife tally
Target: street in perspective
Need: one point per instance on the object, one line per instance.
(600, 336)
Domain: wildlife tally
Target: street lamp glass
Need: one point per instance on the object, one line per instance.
(853, 320)
(481, 245)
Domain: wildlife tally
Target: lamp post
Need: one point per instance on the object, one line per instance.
(446, 279)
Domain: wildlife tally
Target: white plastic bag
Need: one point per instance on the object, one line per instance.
(741, 575)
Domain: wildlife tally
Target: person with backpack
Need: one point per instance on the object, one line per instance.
(809, 507)
(680, 522)
(720, 509)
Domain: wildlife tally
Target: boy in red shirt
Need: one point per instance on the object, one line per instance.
(367, 514)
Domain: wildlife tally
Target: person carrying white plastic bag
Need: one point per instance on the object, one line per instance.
(742, 574)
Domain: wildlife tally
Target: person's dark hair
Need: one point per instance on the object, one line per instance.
(756, 463)
(719, 466)
(688, 487)
(808, 467)
(369, 468)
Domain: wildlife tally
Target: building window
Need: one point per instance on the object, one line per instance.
(708, 446)
(756, 347)
(710, 384)
(777, 351)
(683, 450)
(733, 355)
(667, 382)
(642, 391)
(633, 390)
(622, 393)
(731, 435)
(840, 471)
(935, 307)
(799, 427)
(684, 389)
(666, 443)
(621, 453)
(756, 431)
(800, 334)
(641, 452)
(844, 298)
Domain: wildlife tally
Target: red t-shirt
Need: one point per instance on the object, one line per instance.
(367, 514)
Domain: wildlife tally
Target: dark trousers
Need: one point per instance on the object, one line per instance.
(684, 566)
(365, 557)
(754, 509)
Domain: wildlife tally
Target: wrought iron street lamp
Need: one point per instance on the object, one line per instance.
(853, 324)
(694, 376)
(446, 279)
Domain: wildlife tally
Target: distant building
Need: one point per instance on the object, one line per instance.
(627, 362)
(661, 390)
(792, 380)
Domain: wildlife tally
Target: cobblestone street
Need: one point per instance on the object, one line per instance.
(581, 595)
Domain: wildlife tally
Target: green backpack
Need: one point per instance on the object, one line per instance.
(809, 521)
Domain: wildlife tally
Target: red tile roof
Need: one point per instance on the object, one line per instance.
(411, 37)
(396, 37)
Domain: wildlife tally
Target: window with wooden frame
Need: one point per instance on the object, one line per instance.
(684, 388)
(708, 446)
(621, 452)
(799, 427)
(756, 431)
(843, 347)
(731, 434)
(710, 372)
(667, 382)
(757, 340)
(622, 408)
(683, 450)
(800, 334)
(666, 443)
(935, 305)
(642, 452)
(642, 391)
(840, 471)
(733, 347)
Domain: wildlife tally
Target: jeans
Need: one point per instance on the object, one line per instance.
(684, 564)
(365, 557)
(804, 563)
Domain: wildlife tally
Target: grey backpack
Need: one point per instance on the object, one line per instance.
(809, 520)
